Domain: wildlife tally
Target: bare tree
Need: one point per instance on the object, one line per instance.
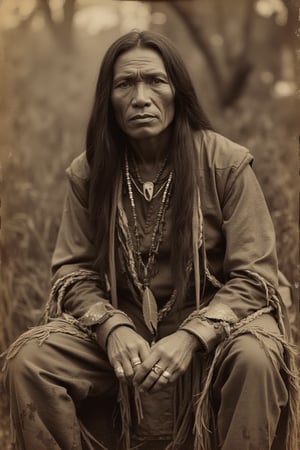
(230, 80)
(61, 31)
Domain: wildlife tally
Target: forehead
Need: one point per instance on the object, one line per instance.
(138, 59)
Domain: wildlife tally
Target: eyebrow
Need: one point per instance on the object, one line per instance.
(131, 76)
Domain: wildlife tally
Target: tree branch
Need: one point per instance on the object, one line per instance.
(248, 23)
(229, 86)
(202, 43)
(69, 11)
(45, 8)
(26, 22)
(220, 16)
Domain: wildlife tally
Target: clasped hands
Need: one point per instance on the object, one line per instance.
(150, 368)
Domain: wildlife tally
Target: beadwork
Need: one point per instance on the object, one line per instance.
(145, 270)
(156, 237)
(148, 186)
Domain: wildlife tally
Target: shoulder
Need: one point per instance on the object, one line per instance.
(79, 168)
(78, 176)
(219, 152)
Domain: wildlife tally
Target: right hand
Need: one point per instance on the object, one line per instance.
(126, 349)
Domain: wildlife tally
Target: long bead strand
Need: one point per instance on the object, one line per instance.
(155, 239)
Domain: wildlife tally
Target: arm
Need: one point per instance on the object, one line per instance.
(249, 265)
(85, 294)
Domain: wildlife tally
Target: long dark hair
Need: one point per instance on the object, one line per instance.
(105, 143)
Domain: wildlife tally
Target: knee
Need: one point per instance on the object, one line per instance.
(249, 356)
(20, 366)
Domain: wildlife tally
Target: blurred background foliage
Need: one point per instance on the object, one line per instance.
(243, 59)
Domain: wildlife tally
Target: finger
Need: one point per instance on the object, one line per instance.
(167, 375)
(144, 351)
(151, 378)
(141, 372)
(129, 373)
(144, 369)
(165, 378)
(120, 374)
(135, 361)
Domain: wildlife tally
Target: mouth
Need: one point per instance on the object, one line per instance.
(142, 117)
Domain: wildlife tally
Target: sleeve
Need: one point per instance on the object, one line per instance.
(250, 262)
(80, 290)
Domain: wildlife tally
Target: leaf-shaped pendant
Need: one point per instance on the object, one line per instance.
(148, 189)
(150, 310)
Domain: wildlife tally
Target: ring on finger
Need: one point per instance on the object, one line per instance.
(166, 374)
(157, 369)
(136, 362)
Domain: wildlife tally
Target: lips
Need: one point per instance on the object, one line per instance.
(142, 117)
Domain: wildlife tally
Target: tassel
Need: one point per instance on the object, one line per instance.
(125, 411)
(138, 405)
(42, 332)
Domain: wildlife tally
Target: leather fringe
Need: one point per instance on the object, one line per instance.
(41, 333)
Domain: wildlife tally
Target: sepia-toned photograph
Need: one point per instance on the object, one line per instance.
(149, 212)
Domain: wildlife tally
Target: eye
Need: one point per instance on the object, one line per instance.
(123, 84)
(156, 81)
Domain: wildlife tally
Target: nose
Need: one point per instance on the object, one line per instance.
(141, 95)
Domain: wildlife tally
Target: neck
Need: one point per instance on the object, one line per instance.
(151, 151)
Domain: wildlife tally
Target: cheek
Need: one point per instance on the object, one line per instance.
(119, 120)
(168, 104)
(169, 108)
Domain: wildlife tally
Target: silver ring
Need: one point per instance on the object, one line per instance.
(157, 369)
(136, 362)
(166, 374)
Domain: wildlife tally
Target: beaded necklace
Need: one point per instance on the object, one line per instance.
(145, 270)
(156, 236)
(148, 186)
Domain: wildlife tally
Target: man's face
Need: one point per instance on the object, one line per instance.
(142, 96)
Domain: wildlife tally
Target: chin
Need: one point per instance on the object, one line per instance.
(145, 133)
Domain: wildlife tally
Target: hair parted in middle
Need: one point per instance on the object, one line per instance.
(106, 144)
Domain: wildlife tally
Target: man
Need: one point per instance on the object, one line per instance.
(164, 275)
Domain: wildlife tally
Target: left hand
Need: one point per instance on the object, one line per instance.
(124, 346)
(168, 359)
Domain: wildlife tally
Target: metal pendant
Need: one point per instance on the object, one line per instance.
(148, 190)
